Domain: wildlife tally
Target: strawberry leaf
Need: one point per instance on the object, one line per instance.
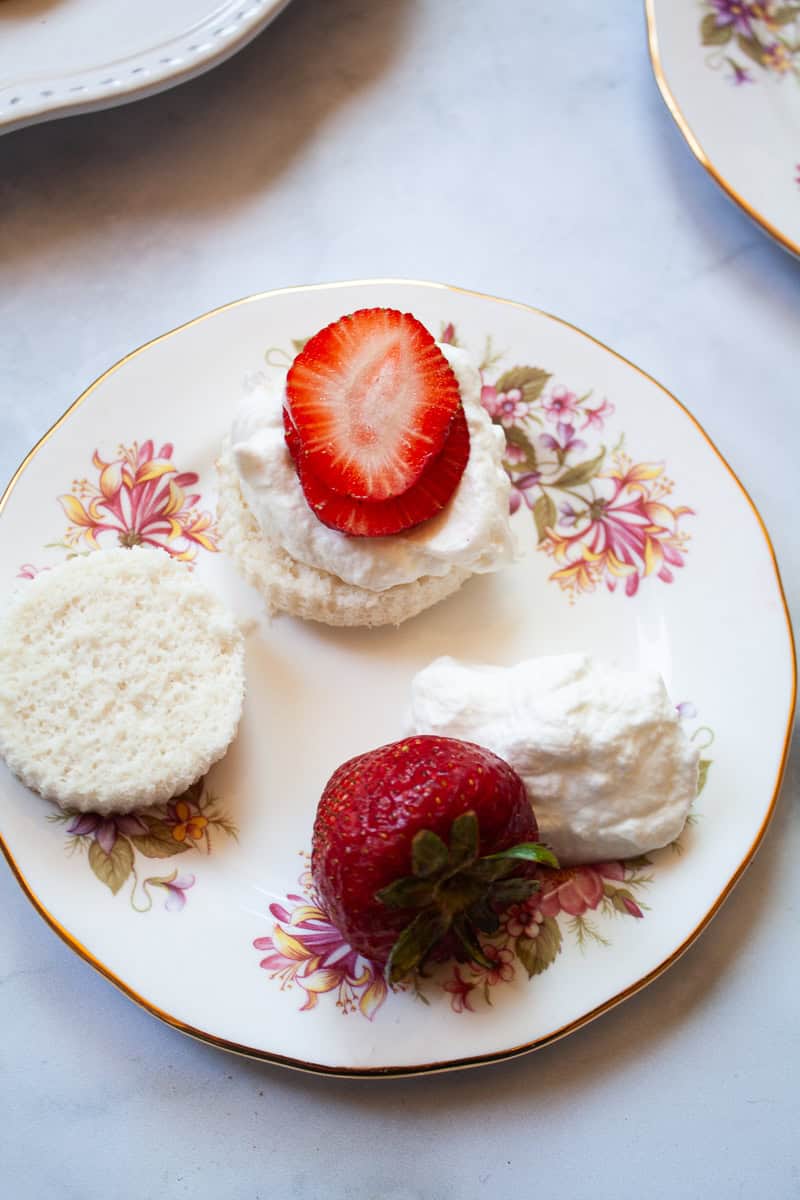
(490, 869)
(483, 916)
(408, 892)
(512, 891)
(415, 943)
(463, 841)
(458, 892)
(428, 854)
(470, 943)
(528, 852)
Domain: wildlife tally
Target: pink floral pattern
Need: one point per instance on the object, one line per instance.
(305, 949)
(111, 844)
(140, 498)
(764, 34)
(603, 517)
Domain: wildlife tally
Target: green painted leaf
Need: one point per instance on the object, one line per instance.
(519, 438)
(158, 842)
(641, 860)
(428, 854)
(114, 868)
(581, 472)
(525, 949)
(714, 34)
(537, 954)
(545, 515)
(528, 852)
(409, 892)
(530, 381)
(703, 768)
(415, 942)
(785, 15)
(752, 48)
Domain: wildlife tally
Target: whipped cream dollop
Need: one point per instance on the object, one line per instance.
(471, 532)
(606, 764)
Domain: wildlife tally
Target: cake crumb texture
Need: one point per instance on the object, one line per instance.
(121, 680)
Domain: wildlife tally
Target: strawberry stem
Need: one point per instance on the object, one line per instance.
(456, 891)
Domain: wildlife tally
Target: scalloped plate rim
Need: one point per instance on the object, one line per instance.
(99, 97)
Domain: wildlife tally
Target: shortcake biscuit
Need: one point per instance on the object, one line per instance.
(304, 591)
(121, 680)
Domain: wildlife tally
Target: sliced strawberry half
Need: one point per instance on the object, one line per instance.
(372, 398)
(379, 518)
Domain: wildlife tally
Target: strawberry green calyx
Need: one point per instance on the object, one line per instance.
(456, 892)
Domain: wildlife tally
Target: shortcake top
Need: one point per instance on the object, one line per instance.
(472, 533)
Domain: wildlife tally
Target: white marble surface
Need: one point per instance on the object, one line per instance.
(517, 149)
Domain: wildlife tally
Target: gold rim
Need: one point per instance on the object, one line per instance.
(606, 1006)
(694, 145)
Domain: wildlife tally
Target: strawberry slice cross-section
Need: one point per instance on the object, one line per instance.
(381, 518)
(372, 399)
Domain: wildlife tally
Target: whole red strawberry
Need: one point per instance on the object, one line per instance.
(420, 845)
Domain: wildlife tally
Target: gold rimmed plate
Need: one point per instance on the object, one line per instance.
(202, 911)
(729, 74)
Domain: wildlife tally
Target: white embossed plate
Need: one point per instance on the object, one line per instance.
(60, 57)
(729, 72)
(640, 546)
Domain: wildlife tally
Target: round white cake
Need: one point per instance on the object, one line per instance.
(121, 681)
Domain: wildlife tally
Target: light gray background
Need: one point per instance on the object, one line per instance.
(517, 148)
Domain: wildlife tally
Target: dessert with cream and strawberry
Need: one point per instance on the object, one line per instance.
(368, 482)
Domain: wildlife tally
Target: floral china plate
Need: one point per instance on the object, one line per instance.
(61, 57)
(202, 910)
(729, 72)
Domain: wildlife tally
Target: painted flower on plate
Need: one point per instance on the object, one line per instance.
(141, 498)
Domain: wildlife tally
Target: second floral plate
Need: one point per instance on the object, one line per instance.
(202, 910)
(728, 71)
